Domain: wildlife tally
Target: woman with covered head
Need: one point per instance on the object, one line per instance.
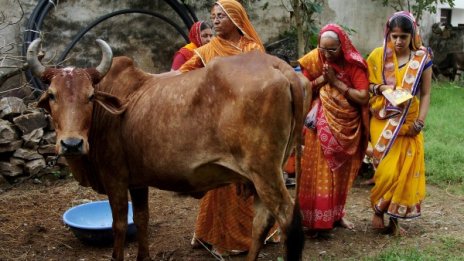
(402, 66)
(336, 132)
(225, 218)
(200, 34)
(234, 35)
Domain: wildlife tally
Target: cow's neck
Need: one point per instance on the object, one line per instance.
(85, 173)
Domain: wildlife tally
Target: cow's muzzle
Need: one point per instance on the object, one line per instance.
(72, 146)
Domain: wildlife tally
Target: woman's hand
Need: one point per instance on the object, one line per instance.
(411, 131)
(384, 87)
(329, 74)
(415, 128)
(317, 83)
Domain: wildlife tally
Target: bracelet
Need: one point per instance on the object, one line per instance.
(377, 89)
(418, 125)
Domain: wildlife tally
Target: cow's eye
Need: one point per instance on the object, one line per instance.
(51, 96)
(91, 98)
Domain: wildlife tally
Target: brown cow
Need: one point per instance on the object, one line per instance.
(235, 120)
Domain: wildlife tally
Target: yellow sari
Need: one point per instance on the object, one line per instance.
(400, 176)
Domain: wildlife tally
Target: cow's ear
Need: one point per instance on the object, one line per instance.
(44, 102)
(110, 103)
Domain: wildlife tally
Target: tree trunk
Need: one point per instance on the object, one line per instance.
(299, 27)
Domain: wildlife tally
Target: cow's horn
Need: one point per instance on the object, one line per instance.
(107, 58)
(34, 64)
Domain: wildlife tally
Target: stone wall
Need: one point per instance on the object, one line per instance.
(446, 39)
(27, 142)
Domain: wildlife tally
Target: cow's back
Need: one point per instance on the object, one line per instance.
(234, 111)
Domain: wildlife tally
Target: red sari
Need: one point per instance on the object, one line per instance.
(186, 52)
(334, 150)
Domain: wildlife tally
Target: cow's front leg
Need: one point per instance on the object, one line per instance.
(118, 201)
(141, 217)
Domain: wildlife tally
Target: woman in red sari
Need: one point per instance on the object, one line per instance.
(336, 132)
(200, 34)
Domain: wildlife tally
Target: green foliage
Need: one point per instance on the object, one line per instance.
(310, 27)
(348, 30)
(417, 7)
(312, 35)
(443, 134)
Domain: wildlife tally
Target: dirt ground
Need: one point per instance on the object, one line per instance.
(31, 226)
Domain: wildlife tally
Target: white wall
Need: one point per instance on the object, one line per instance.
(457, 17)
(368, 18)
(457, 13)
(457, 4)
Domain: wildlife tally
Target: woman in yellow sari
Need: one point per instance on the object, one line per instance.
(400, 70)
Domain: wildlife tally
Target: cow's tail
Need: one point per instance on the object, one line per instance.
(294, 233)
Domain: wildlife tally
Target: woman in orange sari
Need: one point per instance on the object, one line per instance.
(337, 129)
(225, 218)
(402, 65)
(200, 34)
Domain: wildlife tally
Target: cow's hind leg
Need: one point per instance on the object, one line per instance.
(262, 224)
(274, 195)
(141, 217)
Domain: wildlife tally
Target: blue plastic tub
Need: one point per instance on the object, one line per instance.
(92, 222)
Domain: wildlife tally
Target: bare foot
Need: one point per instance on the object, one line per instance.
(377, 221)
(345, 223)
(368, 182)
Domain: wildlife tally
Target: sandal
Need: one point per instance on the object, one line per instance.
(225, 253)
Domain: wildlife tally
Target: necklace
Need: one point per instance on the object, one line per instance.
(237, 45)
(405, 62)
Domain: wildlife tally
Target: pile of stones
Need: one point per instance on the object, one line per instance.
(27, 142)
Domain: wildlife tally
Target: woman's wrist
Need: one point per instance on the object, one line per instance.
(375, 89)
(341, 87)
(346, 92)
(314, 83)
(318, 81)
